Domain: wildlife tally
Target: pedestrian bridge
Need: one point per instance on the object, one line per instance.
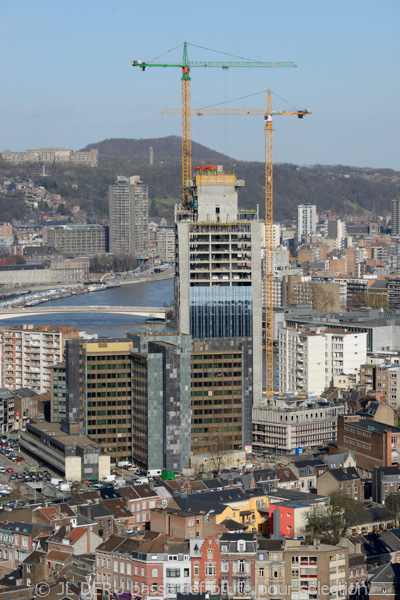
(150, 312)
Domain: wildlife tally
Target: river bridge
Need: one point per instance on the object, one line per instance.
(150, 312)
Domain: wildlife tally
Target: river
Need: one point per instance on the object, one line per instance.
(153, 293)
(136, 294)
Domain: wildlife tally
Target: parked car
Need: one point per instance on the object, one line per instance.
(9, 470)
(2, 469)
(12, 476)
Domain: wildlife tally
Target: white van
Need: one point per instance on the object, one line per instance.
(141, 481)
(154, 473)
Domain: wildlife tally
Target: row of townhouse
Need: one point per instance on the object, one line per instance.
(233, 565)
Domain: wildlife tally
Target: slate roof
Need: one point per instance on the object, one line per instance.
(232, 525)
(342, 475)
(335, 461)
(99, 511)
(388, 573)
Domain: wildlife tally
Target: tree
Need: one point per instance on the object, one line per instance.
(329, 523)
(392, 503)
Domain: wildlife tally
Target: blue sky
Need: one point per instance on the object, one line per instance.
(67, 78)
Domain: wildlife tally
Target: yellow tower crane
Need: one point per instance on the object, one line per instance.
(269, 314)
(186, 112)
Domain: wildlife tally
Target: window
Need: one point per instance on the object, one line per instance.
(136, 570)
(241, 565)
(261, 572)
(190, 523)
(186, 572)
(122, 567)
(129, 569)
(154, 573)
(173, 572)
(142, 571)
(115, 566)
(210, 569)
(210, 553)
(154, 588)
(196, 569)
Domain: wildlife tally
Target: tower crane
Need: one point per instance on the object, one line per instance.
(269, 113)
(186, 112)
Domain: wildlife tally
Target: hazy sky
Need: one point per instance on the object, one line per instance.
(67, 79)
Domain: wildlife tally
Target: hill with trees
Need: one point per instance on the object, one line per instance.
(334, 189)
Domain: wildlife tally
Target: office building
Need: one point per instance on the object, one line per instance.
(52, 155)
(395, 217)
(218, 269)
(98, 393)
(77, 240)
(306, 220)
(72, 455)
(161, 405)
(129, 216)
(291, 422)
(58, 393)
(28, 352)
(373, 444)
(221, 402)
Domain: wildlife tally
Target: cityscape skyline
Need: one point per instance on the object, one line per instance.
(339, 51)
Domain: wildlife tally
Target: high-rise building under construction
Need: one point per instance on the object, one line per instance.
(218, 280)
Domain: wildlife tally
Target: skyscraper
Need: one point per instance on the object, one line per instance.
(218, 274)
(306, 220)
(396, 217)
(129, 216)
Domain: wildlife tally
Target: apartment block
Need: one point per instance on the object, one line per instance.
(314, 571)
(129, 216)
(294, 422)
(166, 244)
(7, 416)
(52, 155)
(306, 220)
(77, 239)
(28, 352)
(26, 407)
(309, 359)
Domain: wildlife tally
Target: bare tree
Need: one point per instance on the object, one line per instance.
(329, 523)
